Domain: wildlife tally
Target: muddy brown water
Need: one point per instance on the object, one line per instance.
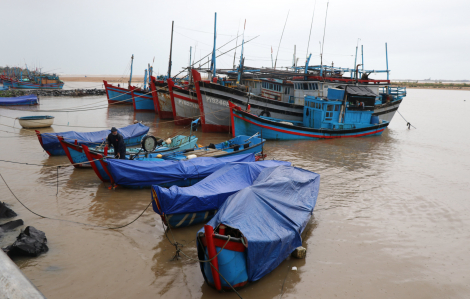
(391, 221)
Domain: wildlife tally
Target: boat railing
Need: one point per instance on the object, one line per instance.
(395, 91)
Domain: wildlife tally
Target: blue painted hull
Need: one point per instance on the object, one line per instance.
(143, 102)
(32, 85)
(118, 95)
(248, 124)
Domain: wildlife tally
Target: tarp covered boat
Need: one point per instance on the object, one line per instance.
(30, 99)
(258, 227)
(132, 135)
(166, 173)
(183, 206)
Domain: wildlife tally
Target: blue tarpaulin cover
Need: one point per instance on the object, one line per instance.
(210, 193)
(30, 99)
(50, 141)
(271, 214)
(147, 173)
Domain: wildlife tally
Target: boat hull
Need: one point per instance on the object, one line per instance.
(32, 85)
(387, 111)
(213, 100)
(118, 95)
(244, 123)
(161, 99)
(143, 101)
(184, 103)
(36, 123)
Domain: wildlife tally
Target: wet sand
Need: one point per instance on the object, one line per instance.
(391, 219)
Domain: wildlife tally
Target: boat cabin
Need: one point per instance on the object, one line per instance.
(348, 108)
(278, 90)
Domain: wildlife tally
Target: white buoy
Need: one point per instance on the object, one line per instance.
(191, 157)
(168, 141)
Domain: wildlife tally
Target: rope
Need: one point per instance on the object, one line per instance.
(407, 122)
(87, 224)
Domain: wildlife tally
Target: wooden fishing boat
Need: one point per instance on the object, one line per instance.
(118, 95)
(26, 100)
(334, 117)
(145, 172)
(132, 135)
(268, 217)
(184, 206)
(39, 121)
(161, 98)
(184, 103)
(78, 157)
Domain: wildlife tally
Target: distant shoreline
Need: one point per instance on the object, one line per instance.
(110, 79)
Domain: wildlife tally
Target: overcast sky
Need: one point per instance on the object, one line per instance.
(426, 39)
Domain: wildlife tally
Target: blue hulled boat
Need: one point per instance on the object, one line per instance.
(239, 145)
(27, 100)
(258, 227)
(78, 158)
(153, 171)
(184, 206)
(343, 113)
(132, 135)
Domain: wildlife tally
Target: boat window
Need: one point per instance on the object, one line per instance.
(336, 107)
(270, 86)
(286, 90)
(329, 115)
(329, 108)
(305, 86)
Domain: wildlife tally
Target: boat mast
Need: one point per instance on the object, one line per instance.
(190, 67)
(130, 78)
(171, 48)
(145, 79)
(323, 43)
(275, 62)
(213, 66)
(362, 54)
(240, 67)
(386, 58)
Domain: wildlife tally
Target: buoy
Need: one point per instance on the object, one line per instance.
(159, 156)
(168, 141)
(191, 157)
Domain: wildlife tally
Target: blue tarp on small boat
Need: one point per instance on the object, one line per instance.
(133, 173)
(210, 193)
(30, 99)
(132, 135)
(271, 214)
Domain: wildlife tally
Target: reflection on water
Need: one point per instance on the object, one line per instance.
(390, 222)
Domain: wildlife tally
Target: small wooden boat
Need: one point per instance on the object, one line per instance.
(268, 217)
(337, 116)
(26, 100)
(132, 135)
(78, 158)
(40, 121)
(145, 172)
(184, 206)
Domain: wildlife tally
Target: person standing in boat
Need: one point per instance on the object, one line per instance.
(117, 141)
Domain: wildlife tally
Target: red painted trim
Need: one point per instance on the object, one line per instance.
(197, 78)
(105, 167)
(133, 98)
(232, 106)
(90, 158)
(209, 233)
(40, 141)
(186, 98)
(106, 88)
(66, 150)
(304, 134)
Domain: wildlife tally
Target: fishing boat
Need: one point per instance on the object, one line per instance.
(184, 103)
(117, 95)
(154, 171)
(26, 100)
(39, 121)
(79, 159)
(267, 218)
(161, 98)
(132, 135)
(184, 206)
(213, 100)
(142, 100)
(337, 116)
(39, 82)
(241, 144)
(4, 88)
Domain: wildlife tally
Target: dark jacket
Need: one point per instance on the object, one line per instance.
(117, 142)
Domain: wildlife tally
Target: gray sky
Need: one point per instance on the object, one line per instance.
(425, 38)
